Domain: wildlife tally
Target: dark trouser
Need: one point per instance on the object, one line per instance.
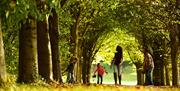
(117, 73)
(149, 75)
(70, 78)
(99, 77)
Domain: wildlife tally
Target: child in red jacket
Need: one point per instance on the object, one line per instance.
(100, 70)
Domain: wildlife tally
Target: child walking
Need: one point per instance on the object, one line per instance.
(100, 71)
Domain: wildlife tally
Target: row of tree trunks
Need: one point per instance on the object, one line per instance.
(158, 58)
(28, 69)
(2, 57)
(36, 42)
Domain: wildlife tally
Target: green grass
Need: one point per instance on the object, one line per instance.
(85, 88)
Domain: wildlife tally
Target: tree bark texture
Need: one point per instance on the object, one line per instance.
(84, 68)
(2, 57)
(74, 39)
(79, 63)
(174, 47)
(28, 52)
(140, 75)
(167, 75)
(54, 39)
(87, 54)
(44, 50)
(157, 68)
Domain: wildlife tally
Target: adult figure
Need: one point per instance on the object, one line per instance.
(117, 64)
(148, 67)
(70, 70)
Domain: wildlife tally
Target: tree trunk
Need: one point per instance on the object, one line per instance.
(174, 36)
(74, 40)
(73, 46)
(88, 74)
(2, 58)
(157, 68)
(79, 63)
(28, 52)
(174, 47)
(84, 71)
(140, 77)
(87, 59)
(54, 39)
(78, 71)
(162, 72)
(44, 51)
(167, 75)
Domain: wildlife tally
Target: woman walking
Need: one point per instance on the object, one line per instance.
(116, 63)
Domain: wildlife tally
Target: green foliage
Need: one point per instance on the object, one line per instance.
(118, 37)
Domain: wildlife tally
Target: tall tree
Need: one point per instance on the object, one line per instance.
(88, 54)
(174, 35)
(174, 51)
(43, 44)
(54, 39)
(2, 57)
(74, 32)
(28, 51)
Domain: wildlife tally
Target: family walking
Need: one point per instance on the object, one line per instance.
(116, 65)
